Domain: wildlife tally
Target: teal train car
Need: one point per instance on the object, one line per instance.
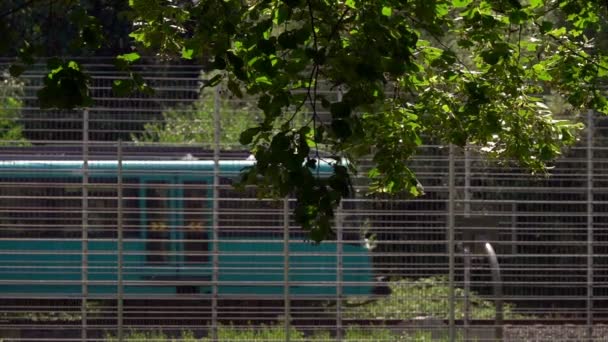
(167, 211)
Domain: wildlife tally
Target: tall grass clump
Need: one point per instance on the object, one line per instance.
(426, 297)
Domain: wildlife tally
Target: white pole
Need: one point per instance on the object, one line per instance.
(339, 271)
(215, 225)
(286, 299)
(120, 260)
(589, 225)
(85, 219)
(451, 252)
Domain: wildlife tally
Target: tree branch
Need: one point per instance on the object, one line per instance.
(17, 9)
(440, 42)
(312, 25)
(574, 52)
(315, 73)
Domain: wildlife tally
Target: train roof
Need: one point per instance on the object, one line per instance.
(133, 158)
(110, 152)
(226, 165)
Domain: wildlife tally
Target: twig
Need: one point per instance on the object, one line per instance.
(442, 44)
(574, 52)
(17, 9)
(313, 96)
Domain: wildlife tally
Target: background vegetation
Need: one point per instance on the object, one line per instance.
(463, 72)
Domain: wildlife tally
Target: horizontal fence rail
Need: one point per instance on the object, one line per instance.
(121, 222)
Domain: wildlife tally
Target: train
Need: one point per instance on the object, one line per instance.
(146, 228)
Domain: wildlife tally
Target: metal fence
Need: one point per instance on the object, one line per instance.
(106, 236)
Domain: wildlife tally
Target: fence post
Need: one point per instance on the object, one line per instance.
(119, 205)
(451, 238)
(215, 227)
(339, 259)
(589, 225)
(286, 299)
(85, 220)
(467, 182)
(467, 290)
(339, 271)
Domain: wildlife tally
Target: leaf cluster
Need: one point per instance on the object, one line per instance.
(463, 72)
(404, 302)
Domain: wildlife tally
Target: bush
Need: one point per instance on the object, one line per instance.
(427, 297)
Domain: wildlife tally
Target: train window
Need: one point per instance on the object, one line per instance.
(103, 208)
(244, 215)
(158, 222)
(40, 208)
(196, 220)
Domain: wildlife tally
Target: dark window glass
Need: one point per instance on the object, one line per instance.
(244, 215)
(103, 208)
(40, 208)
(196, 222)
(157, 222)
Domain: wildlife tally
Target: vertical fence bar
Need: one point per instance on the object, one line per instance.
(589, 305)
(215, 225)
(513, 228)
(120, 261)
(497, 287)
(286, 299)
(339, 272)
(467, 290)
(339, 260)
(467, 182)
(85, 220)
(451, 238)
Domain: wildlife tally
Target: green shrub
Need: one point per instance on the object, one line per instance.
(363, 334)
(426, 297)
(136, 336)
(409, 299)
(272, 333)
(259, 334)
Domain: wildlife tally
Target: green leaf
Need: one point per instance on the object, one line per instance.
(213, 81)
(16, 69)
(341, 128)
(536, 3)
(187, 53)
(26, 53)
(491, 57)
(247, 136)
(235, 88)
(340, 110)
(267, 46)
(461, 3)
(442, 9)
(237, 65)
(129, 57)
(263, 80)
(66, 86)
(281, 14)
(541, 72)
(122, 87)
(219, 63)
(287, 40)
(311, 163)
(546, 26)
(518, 17)
(387, 11)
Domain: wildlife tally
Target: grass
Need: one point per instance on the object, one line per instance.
(427, 297)
(276, 333)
